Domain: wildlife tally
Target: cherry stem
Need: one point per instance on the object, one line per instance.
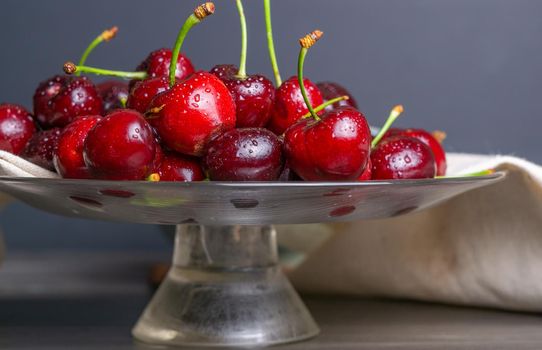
(306, 43)
(195, 18)
(271, 42)
(326, 104)
(395, 113)
(244, 41)
(72, 68)
(154, 177)
(478, 173)
(106, 35)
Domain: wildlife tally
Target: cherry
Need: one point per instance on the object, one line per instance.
(253, 94)
(144, 91)
(68, 158)
(289, 104)
(42, 147)
(60, 100)
(192, 112)
(401, 157)
(332, 90)
(176, 167)
(121, 146)
(367, 174)
(334, 147)
(251, 154)
(432, 140)
(16, 128)
(158, 62)
(114, 94)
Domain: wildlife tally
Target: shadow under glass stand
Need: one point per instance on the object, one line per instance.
(225, 288)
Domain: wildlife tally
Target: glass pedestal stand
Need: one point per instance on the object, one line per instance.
(225, 288)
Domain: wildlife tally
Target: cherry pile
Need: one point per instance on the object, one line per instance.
(168, 121)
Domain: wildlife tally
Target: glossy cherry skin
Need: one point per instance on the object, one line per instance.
(68, 159)
(336, 148)
(113, 93)
(158, 62)
(42, 147)
(367, 174)
(179, 168)
(401, 157)
(121, 146)
(254, 96)
(192, 112)
(332, 90)
(16, 128)
(144, 91)
(60, 100)
(289, 105)
(251, 154)
(427, 138)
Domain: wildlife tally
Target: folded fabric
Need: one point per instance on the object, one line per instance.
(482, 248)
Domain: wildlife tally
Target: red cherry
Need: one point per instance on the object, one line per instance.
(253, 95)
(332, 90)
(429, 140)
(176, 167)
(42, 147)
(289, 105)
(189, 114)
(367, 174)
(144, 91)
(16, 128)
(114, 94)
(60, 100)
(252, 154)
(121, 146)
(400, 157)
(68, 160)
(157, 65)
(335, 148)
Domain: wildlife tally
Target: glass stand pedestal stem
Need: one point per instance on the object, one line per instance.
(225, 288)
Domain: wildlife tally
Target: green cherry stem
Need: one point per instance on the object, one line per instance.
(271, 42)
(326, 104)
(395, 113)
(306, 43)
(478, 173)
(106, 35)
(244, 41)
(72, 68)
(195, 18)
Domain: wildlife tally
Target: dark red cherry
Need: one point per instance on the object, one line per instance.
(253, 95)
(252, 154)
(121, 146)
(367, 174)
(180, 168)
(430, 140)
(68, 159)
(114, 94)
(332, 90)
(42, 147)
(157, 65)
(401, 157)
(289, 105)
(335, 148)
(16, 128)
(144, 91)
(60, 100)
(192, 112)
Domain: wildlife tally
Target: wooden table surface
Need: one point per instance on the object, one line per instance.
(90, 301)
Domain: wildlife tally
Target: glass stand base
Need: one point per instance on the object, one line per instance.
(225, 289)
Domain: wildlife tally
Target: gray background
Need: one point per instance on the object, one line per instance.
(469, 67)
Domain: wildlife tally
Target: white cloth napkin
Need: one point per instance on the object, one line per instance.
(482, 248)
